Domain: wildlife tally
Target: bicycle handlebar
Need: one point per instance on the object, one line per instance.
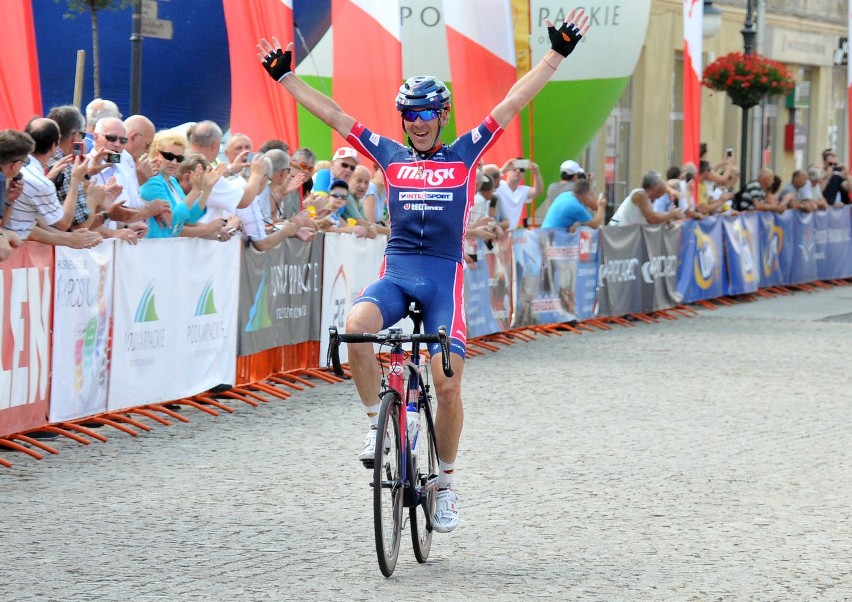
(336, 338)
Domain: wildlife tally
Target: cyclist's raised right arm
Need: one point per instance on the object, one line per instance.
(278, 64)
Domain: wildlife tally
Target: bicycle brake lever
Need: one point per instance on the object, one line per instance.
(445, 351)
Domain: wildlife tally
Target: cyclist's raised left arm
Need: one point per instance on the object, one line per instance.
(278, 64)
(563, 41)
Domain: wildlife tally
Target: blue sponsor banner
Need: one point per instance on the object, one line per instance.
(804, 266)
(834, 244)
(771, 245)
(742, 233)
(477, 297)
(701, 275)
(556, 275)
(586, 282)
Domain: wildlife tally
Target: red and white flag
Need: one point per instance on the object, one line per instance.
(693, 17)
(367, 62)
(260, 108)
(481, 48)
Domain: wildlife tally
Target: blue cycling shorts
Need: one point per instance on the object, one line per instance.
(437, 284)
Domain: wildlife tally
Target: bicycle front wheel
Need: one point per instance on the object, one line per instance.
(425, 483)
(387, 484)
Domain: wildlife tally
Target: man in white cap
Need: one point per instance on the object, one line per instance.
(569, 173)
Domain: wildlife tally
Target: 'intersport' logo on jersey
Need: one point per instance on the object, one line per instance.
(425, 195)
(433, 173)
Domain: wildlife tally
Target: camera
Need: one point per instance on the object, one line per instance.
(113, 158)
(836, 168)
(17, 177)
(521, 163)
(729, 152)
(78, 148)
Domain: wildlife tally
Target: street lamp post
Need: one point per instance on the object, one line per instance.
(749, 34)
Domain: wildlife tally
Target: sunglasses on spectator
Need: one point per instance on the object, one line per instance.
(520, 169)
(113, 138)
(425, 114)
(25, 161)
(171, 157)
(338, 195)
(303, 166)
(348, 166)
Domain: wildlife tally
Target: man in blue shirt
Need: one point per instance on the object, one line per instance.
(574, 208)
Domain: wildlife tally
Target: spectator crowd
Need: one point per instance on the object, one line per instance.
(73, 179)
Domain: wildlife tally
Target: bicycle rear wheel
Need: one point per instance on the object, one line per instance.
(425, 479)
(387, 484)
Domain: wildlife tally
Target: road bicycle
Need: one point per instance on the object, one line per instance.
(405, 471)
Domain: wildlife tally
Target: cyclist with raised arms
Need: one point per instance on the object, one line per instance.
(430, 193)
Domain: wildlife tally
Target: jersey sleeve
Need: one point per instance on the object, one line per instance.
(376, 147)
(472, 145)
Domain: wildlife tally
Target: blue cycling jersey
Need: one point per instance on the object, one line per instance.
(428, 199)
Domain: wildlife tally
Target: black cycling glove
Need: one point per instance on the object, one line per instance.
(277, 64)
(564, 39)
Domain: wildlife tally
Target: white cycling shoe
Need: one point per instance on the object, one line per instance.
(446, 516)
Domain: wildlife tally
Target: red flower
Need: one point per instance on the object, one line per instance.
(747, 79)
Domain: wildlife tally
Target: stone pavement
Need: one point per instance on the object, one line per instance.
(705, 458)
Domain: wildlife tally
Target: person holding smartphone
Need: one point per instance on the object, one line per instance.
(514, 194)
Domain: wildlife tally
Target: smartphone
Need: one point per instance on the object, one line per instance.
(231, 230)
(249, 157)
(18, 177)
(113, 158)
(521, 163)
(78, 148)
(729, 152)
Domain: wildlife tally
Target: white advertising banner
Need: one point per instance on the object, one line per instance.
(82, 310)
(349, 265)
(175, 319)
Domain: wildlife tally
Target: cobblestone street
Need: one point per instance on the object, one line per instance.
(705, 458)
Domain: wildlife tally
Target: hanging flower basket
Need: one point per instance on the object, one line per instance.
(748, 79)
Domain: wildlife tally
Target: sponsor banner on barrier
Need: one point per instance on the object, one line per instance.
(174, 330)
(804, 266)
(562, 268)
(660, 270)
(82, 311)
(349, 265)
(701, 275)
(27, 292)
(833, 243)
(280, 295)
(622, 253)
(741, 252)
(487, 289)
(773, 250)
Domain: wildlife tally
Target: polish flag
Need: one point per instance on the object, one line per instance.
(367, 63)
(260, 107)
(481, 48)
(693, 17)
(20, 89)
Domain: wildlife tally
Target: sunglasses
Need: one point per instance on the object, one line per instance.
(425, 114)
(520, 169)
(171, 157)
(338, 195)
(113, 138)
(348, 166)
(303, 166)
